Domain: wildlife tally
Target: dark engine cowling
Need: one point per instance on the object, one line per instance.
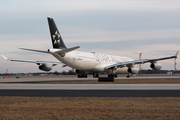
(156, 66)
(133, 70)
(45, 67)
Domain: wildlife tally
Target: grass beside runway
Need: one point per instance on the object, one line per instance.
(68, 108)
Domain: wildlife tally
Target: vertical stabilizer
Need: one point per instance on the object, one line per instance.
(57, 41)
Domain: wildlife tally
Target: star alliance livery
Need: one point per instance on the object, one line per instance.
(85, 62)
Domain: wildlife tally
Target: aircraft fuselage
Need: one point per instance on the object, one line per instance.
(90, 61)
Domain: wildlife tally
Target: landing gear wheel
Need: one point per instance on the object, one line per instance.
(95, 75)
(112, 75)
(115, 75)
(82, 76)
(128, 76)
(106, 79)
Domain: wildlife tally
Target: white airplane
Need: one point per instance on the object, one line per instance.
(85, 62)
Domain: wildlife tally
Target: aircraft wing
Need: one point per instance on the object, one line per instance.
(34, 61)
(131, 63)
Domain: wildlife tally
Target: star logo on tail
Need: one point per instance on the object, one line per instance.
(56, 38)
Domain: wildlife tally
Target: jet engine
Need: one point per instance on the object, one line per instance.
(45, 67)
(156, 66)
(133, 70)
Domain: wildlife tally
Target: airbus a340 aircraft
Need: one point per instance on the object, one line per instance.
(85, 62)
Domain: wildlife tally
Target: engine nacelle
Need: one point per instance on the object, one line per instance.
(156, 66)
(45, 67)
(133, 70)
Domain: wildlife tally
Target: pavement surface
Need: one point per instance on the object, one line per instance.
(91, 93)
(90, 90)
(89, 86)
(19, 87)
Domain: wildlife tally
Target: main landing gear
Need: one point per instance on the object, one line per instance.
(110, 78)
(81, 74)
(112, 75)
(95, 75)
(128, 76)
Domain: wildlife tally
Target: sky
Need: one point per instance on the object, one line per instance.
(117, 27)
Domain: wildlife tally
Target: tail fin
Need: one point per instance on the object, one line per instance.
(57, 41)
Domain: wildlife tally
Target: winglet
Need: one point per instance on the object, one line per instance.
(176, 54)
(5, 57)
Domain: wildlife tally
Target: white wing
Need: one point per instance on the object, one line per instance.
(131, 63)
(34, 61)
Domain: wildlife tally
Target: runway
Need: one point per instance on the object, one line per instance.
(91, 93)
(90, 90)
(33, 87)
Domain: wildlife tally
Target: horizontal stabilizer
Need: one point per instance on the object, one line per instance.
(62, 51)
(68, 50)
(34, 50)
